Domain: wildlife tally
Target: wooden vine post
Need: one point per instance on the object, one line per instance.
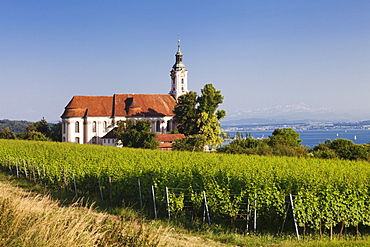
(206, 208)
(168, 204)
(110, 189)
(25, 169)
(64, 180)
(154, 203)
(101, 191)
(295, 222)
(74, 184)
(140, 195)
(17, 168)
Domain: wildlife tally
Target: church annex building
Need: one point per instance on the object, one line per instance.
(87, 119)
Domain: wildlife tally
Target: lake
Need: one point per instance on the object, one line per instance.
(313, 137)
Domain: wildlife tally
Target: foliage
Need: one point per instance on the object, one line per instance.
(15, 126)
(187, 114)
(341, 148)
(210, 128)
(198, 115)
(42, 131)
(55, 132)
(193, 143)
(283, 142)
(33, 135)
(285, 136)
(327, 192)
(7, 134)
(245, 146)
(136, 134)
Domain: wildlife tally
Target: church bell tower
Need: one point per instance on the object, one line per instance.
(179, 75)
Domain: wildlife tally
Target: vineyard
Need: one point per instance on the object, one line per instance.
(327, 194)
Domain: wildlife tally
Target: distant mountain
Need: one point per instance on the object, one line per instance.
(291, 114)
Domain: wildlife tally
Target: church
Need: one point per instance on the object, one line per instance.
(87, 119)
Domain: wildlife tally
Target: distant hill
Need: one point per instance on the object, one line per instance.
(16, 126)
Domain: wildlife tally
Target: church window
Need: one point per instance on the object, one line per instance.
(182, 81)
(77, 140)
(77, 127)
(105, 126)
(94, 126)
(168, 126)
(158, 126)
(108, 140)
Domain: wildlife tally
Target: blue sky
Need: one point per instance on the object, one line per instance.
(258, 53)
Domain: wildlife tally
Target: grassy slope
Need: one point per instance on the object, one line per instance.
(31, 219)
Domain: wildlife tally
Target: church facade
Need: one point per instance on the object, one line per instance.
(87, 119)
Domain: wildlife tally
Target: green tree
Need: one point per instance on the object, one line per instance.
(42, 126)
(187, 114)
(39, 131)
(33, 135)
(210, 100)
(136, 134)
(341, 148)
(285, 136)
(198, 115)
(7, 134)
(323, 151)
(55, 132)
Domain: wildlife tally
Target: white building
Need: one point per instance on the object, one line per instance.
(86, 119)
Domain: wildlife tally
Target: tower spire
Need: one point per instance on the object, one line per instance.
(179, 74)
(178, 64)
(178, 44)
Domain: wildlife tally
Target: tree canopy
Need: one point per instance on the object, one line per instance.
(7, 134)
(341, 148)
(42, 131)
(198, 115)
(282, 142)
(136, 134)
(286, 137)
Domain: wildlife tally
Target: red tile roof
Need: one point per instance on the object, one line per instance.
(121, 105)
(169, 137)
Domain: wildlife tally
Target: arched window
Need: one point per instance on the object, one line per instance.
(168, 126)
(94, 126)
(182, 81)
(77, 140)
(105, 126)
(77, 127)
(158, 126)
